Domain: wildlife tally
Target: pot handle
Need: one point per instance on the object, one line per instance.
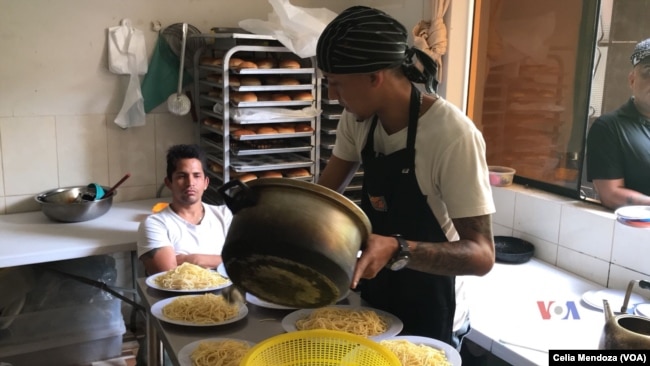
(242, 198)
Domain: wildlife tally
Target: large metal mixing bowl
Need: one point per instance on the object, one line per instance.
(63, 205)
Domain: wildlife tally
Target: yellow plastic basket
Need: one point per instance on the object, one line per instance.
(319, 347)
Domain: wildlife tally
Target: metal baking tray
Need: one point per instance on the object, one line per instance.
(269, 162)
(272, 103)
(254, 88)
(274, 120)
(329, 101)
(305, 70)
(290, 146)
(331, 115)
(265, 136)
(327, 142)
(328, 127)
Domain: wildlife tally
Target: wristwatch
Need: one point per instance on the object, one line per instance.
(402, 256)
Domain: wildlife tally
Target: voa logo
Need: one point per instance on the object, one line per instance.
(558, 310)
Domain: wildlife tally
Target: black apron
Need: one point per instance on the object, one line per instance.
(395, 205)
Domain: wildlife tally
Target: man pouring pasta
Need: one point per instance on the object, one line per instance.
(425, 186)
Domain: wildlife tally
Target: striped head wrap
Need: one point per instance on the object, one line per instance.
(641, 51)
(365, 40)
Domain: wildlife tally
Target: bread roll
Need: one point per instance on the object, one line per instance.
(277, 97)
(215, 93)
(243, 97)
(266, 130)
(263, 97)
(250, 81)
(285, 129)
(303, 127)
(269, 174)
(288, 81)
(289, 64)
(303, 96)
(211, 122)
(266, 63)
(247, 65)
(271, 80)
(235, 62)
(215, 78)
(233, 80)
(211, 61)
(247, 177)
(242, 132)
(297, 173)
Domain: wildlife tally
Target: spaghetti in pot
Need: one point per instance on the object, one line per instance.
(411, 354)
(361, 322)
(200, 309)
(189, 276)
(219, 353)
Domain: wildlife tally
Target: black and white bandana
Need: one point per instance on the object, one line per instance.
(364, 40)
(641, 51)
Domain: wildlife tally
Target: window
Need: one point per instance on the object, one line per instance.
(530, 81)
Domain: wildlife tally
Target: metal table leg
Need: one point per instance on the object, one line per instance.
(154, 345)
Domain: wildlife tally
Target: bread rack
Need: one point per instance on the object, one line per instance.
(229, 155)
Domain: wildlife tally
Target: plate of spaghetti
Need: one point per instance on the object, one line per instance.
(188, 277)
(204, 310)
(214, 351)
(359, 320)
(422, 351)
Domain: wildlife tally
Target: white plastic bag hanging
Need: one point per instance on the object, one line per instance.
(295, 27)
(122, 41)
(132, 112)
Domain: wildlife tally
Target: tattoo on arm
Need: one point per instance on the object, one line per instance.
(150, 254)
(452, 258)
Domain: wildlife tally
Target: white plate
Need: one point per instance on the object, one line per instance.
(156, 310)
(450, 352)
(184, 354)
(395, 325)
(221, 269)
(265, 304)
(615, 298)
(634, 212)
(151, 282)
(643, 310)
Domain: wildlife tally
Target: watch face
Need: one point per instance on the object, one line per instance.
(399, 264)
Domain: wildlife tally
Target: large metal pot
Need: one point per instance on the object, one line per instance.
(292, 242)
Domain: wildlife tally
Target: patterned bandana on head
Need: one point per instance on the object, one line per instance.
(641, 51)
(364, 40)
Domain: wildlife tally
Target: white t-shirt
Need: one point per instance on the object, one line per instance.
(166, 228)
(449, 156)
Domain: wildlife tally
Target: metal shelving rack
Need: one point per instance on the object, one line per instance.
(330, 115)
(230, 156)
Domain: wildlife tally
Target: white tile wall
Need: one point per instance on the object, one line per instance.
(580, 237)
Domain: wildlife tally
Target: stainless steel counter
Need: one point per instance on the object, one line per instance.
(260, 324)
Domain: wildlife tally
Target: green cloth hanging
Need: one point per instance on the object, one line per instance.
(161, 80)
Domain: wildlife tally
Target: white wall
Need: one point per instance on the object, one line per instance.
(579, 237)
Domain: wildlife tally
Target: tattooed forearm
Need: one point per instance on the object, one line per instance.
(472, 254)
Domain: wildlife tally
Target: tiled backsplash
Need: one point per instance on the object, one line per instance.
(580, 237)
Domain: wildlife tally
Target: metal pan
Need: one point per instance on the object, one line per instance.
(512, 250)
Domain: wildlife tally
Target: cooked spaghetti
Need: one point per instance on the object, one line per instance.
(360, 322)
(200, 309)
(189, 276)
(219, 353)
(411, 354)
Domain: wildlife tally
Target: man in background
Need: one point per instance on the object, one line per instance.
(618, 143)
(187, 230)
